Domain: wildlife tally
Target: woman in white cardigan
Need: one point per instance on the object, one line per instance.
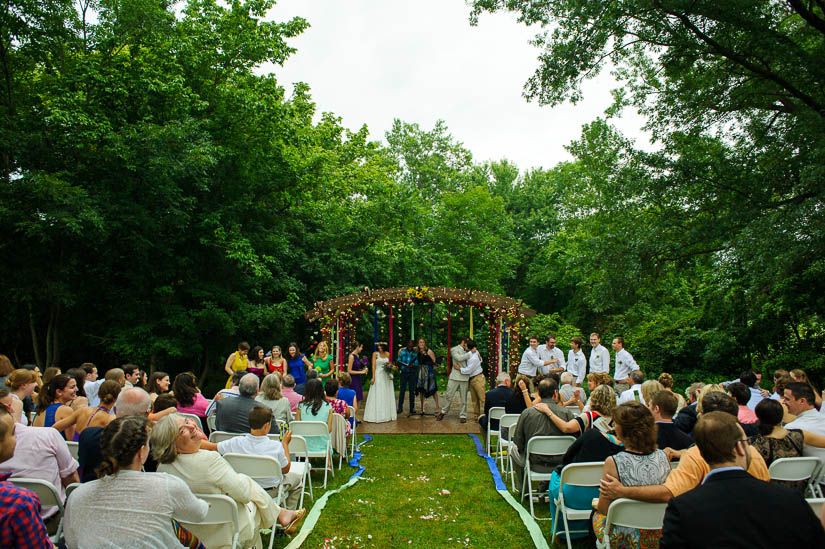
(176, 445)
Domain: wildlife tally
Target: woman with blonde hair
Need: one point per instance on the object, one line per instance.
(594, 380)
(271, 397)
(176, 446)
(323, 362)
(6, 368)
(275, 362)
(21, 384)
(667, 383)
(650, 388)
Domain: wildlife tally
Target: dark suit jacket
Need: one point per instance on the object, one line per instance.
(734, 510)
(670, 436)
(494, 398)
(686, 418)
(232, 414)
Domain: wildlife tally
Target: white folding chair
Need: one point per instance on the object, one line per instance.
(316, 429)
(495, 413)
(508, 422)
(223, 511)
(220, 436)
(211, 421)
(541, 446)
(298, 449)
(797, 469)
(352, 434)
(632, 514)
(816, 504)
(70, 488)
(49, 497)
(73, 448)
(259, 468)
(674, 464)
(587, 474)
(196, 419)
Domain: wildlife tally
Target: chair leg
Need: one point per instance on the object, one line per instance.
(566, 526)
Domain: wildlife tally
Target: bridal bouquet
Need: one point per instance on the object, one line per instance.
(390, 368)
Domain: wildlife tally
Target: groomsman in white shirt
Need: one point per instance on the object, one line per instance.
(552, 356)
(599, 355)
(576, 363)
(531, 364)
(624, 366)
(476, 375)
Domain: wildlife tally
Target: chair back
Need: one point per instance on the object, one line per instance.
(574, 409)
(298, 447)
(73, 448)
(794, 468)
(587, 473)
(49, 497)
(196, 419)
(223, 511)
(549, 445)
(635, 514)
(70, 488)
(496, 412)
(220, 436)
(816, 504)
(507, 421)
(212, 422)
(351, 412)
(309, 428)
(257, 467)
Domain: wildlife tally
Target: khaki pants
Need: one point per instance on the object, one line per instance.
(477, 392)
(292, 490)
(453, 387)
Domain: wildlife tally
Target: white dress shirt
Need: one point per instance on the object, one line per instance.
(599, 359)
(546, 354)
(631, 393)
(624, 365)
(473, 367)
(576, 365)
(530, 362)
(814, 422)
(256, 446)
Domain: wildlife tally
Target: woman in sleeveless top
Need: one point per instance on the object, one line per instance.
(52, 403)
(91, 416)
(275, 362)
(256, 363)
(21, 383)
(236, 361)
(355, 371)
(323, 362)
(640, 464)
(427, 385)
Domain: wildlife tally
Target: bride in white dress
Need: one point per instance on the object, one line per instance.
(381, 396)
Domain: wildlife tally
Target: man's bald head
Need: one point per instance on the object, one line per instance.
(133, 402)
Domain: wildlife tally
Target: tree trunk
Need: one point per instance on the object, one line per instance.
(52, 336)
(153, 363)
(38, 359)
(204, 367)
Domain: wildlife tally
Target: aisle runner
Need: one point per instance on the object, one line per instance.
(501, 488)
(315, 512)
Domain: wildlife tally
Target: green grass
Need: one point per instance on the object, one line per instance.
(400, 501)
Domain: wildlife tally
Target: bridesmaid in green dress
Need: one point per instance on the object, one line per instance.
(323, 362)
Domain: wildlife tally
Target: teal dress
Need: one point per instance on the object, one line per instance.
(316, 443)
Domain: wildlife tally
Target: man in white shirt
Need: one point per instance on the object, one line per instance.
(531, 362)
(576, 363)
(476, 375)
(132, 373)
(552, 355)
(599, 355)
(91, 384)
(799, 398)
(257, 443)
(635, 391)
(624, 364)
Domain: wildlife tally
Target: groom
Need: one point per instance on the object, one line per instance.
(457, 381)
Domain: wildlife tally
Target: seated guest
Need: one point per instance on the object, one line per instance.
(348, 395)
(91, 383)
(138, 507)
(257, 443)
(534, 422)
(271, 397)
(800, 398)
(42, 453)
(158, 384)
(80, 401)
(731, 508)
(53, 403)
(92, 417)
(494, 398)
(288, 390)
(176, 446)
(520, 400)
(21, 384)
(635, 391)
(602, 403)
(774, 441)
(742, 395)
(650, 388)
(116, 374)
(692, 467)
(189, 397)
(130, 402)
(567, 390)
(799, 376)
(315, 407)
(162, 403)
(785, 376)
(232, 391)
(751, 381)
(22, 526)
(594, 445)
(666, 381)
(338, 406)
(594, 380)
(641, 463)
(233, 413)
(687, 416)
(663, 408)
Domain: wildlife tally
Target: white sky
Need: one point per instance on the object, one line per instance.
(370, 61)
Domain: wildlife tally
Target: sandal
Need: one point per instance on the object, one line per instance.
(292, 527)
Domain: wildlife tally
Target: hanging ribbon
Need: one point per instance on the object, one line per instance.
(375, 328)
(471, 323)
(498, 336)
(412, 322)
(449, 330)
(390, 349)
(431, 325)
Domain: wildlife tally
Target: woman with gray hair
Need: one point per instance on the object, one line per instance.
(176, 446)
(271, 397)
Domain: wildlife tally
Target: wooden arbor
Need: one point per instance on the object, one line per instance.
(505, 317)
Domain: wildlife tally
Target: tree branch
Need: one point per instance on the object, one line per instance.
(807, 15)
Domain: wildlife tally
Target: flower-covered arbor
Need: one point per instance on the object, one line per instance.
(504, 315)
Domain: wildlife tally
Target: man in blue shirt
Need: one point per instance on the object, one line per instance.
(408, 360)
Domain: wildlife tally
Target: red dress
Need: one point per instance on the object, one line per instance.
(271, 368)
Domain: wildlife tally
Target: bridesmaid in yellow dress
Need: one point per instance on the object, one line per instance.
(236, 361)
(323, 362)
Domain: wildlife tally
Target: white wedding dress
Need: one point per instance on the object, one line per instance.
(381, 396)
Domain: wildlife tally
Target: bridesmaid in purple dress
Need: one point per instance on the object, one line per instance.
(353, 369)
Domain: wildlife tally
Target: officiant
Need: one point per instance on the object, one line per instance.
(408, 360)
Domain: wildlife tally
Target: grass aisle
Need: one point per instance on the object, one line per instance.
(419, 490)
